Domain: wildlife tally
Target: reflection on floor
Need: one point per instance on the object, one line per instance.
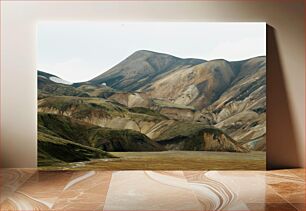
(28, 189)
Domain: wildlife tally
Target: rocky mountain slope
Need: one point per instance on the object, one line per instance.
(197, 137)
(85, 134)
(164, 102)
(228, 95)
(130, 122)
(197, 86)
(141, 68)
(49, 84)
(241, 109)
(101, 112)
(53, 150)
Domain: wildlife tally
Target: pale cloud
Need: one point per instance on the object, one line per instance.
(72, 70)
(238, 50)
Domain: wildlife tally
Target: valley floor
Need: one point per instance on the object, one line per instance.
(173, 160)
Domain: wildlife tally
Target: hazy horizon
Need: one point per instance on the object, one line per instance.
(80, 51)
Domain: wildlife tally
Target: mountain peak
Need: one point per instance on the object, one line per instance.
(145, 52)
(148, 53)
(141, 68)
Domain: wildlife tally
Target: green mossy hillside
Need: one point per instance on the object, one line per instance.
(86, 108)
(56, 150)
(94, 136)
(197, 137)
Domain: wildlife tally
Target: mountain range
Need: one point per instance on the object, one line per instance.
(153, 102)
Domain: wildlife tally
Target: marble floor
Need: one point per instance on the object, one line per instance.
(29, 189)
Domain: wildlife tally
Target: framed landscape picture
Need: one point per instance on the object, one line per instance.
(151, 95)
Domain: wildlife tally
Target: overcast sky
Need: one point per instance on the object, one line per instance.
(79, 51)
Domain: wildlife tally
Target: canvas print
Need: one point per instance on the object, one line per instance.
(151, 95)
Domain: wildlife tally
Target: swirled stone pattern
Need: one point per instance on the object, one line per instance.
(30, 189)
